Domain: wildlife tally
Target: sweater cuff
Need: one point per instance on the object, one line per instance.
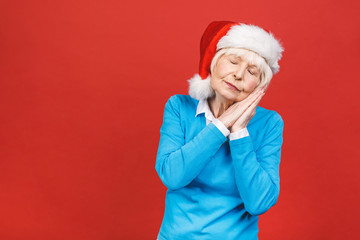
(239, 134)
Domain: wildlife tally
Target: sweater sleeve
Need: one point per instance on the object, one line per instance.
(177, 162)
(257, 172)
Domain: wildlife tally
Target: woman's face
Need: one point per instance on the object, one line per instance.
(233, 78)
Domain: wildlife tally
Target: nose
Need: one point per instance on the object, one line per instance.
(239, 72)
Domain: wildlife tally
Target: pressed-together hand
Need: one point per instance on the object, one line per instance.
(238, 115)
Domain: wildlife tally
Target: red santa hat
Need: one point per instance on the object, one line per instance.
(227, 34)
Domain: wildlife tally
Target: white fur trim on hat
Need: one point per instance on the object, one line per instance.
(256, 39)
(200, 89)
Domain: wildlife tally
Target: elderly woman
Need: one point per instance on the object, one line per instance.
(218, 159)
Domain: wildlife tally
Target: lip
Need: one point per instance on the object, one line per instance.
(232, 86)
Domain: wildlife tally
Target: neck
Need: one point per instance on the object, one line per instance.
(218, 105)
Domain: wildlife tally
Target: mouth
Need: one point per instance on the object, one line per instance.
(232, 86)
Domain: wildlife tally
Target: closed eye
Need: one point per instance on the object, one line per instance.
(250, 72)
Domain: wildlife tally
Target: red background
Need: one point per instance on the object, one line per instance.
(83, 85)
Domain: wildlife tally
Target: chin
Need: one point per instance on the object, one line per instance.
(238, 98)
(230, 96)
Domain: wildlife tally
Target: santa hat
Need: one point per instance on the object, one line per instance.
(226, 34)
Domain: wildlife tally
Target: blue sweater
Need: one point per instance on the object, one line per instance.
(216, 188)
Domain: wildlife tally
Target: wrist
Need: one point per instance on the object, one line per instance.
(226, 124)
(232, 130)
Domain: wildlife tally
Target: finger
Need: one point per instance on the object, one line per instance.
(258, 91)
(238, 109)
(243, 108)
(260, 88)
(254, 103)
(253, 94)
(249, 99)
(246, 112)
(252, 114)
(253, 99)
(257, 100)
(265, 87)
(244, 119)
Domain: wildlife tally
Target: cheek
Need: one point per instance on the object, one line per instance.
(252, 84)
(223, 69)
